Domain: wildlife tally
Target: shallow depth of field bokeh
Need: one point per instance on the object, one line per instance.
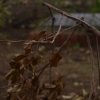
(19, 20)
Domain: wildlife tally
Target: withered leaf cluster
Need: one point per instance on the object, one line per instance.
(24, 80)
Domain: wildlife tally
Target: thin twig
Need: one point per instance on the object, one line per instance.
(50, 74)
(53, 34)
(68, 38)
(92, 95)
(43, 69)
(27, 41)
(18, 96)
(42, 24)
(15, 83)
(52, 28)
(11, 85)
(69, 28)
(53, 19)
(58, 29)
(14, 41)
(86, 25)
(98, 55)
(42, 42)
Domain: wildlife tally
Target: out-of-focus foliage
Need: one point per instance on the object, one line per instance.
(4, 13)
(96, 6)
(19, 12)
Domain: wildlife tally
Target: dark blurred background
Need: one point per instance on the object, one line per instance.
(23, 16)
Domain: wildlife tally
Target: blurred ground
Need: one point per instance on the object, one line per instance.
(75, 67)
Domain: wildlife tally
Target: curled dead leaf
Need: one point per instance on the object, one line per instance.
(40, 35)
(19, 57)
(54, 60)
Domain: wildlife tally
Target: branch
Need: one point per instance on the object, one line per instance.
(53, 19)
(92, 95)
(62, 31)
(86, 25)
(27, 41)
(58, 30)
(42, 42)
(11, 85)
(98, 58)
(42, 23)
(14, 41)
(43, 69)
(68, 37)
(69, 28)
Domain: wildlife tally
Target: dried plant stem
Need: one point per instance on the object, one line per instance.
(98, 55)
(68, 38)
(53, 20)
(52, 28)
(58, 30)
(69, 28)
(53, 34)
(42, 23)
(50, 74)
(42, 42)
(92, 95)
(11, 85)
(27, 41)
(10, 41)
(43, 69)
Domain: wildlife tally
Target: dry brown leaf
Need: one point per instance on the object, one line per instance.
(19, 57)
(56, 57)
(10, 73)
(40, 35)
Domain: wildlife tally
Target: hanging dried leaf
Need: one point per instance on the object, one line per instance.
(12, 71)
(13, 96)
(34, 81)
(53, 95)
(40, 35)
(34, 61)
(30, 68)
(15, 78)
(15, 65)
(12, 63)
(18, 58)
(13, 89)
(56, 57)
(27, 51)
(27, 90)
(50, 86)
(59, 84)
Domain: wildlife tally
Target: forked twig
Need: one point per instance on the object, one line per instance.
(62, 31)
